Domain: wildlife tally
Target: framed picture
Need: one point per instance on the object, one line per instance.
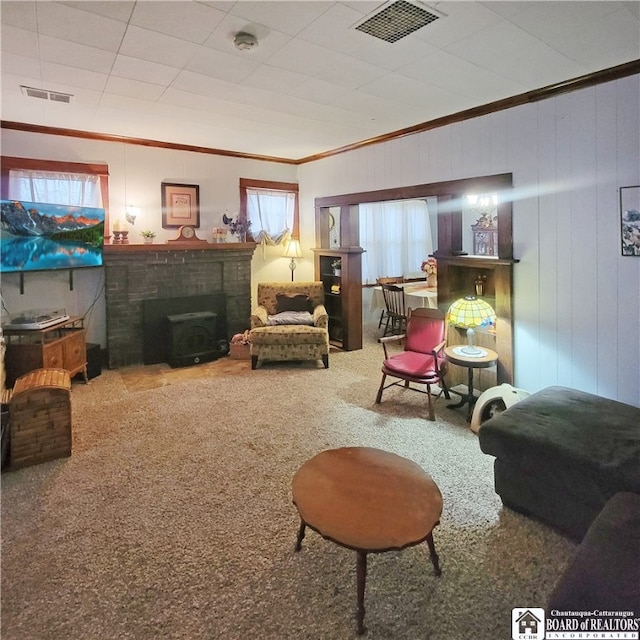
(630, 220)
(180, 205)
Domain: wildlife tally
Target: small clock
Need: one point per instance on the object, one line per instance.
(186, 234)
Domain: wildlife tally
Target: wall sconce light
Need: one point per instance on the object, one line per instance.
(131, 213)
(292, 251)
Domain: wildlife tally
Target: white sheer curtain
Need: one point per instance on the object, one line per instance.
(271, 215)
(396, 237)
(55, 188)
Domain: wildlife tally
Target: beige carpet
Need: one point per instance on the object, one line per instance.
(173, 517)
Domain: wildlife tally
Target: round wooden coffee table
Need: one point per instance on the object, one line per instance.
(367, 500)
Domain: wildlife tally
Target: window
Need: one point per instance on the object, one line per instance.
(56, 182)
(80, 189)
(272, 209)
(396, 237)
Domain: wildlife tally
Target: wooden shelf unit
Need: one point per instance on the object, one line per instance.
(344, 307)
(456, 279)
(61, 346)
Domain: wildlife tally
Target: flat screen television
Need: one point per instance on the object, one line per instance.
(35, 236)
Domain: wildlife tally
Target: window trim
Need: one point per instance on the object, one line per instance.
(248, 183)
(8, 163)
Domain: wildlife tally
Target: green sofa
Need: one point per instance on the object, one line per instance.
(561, 454)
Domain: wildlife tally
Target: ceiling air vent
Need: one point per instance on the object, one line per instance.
(44, 94)
(397, 19)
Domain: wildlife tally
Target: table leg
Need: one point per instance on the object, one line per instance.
(469, 398)
(361, 573)
(301, 530)
(434, 556)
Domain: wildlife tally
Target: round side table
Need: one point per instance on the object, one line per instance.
(455, 356)
(367, 500)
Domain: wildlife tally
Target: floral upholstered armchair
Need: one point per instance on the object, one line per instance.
(290, 323)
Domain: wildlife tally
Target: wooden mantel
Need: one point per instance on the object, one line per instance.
(111, 249)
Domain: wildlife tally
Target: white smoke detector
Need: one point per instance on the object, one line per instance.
(245, 41)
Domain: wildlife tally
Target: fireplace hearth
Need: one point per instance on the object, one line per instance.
(146, 283)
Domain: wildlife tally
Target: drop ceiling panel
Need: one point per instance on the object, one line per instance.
(61, 21)
(59, 74)
(75, 55)
(19, 41)
(224, 66)
(288, 17)
(351, 73)
(189, 21)
(19, 14)
(305, 57)
(136, 69)
(120, 10)
(275, 79)
(312, 84)
(133, 89)
(157, 47)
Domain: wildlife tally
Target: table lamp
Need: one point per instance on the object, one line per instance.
(292, 251)
(467, 313)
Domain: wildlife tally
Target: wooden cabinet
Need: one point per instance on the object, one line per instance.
(62, 346)
(342, 294)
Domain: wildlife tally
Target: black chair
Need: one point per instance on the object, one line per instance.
(396, 315)
(380, 282)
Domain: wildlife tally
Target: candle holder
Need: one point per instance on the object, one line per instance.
(120, 237)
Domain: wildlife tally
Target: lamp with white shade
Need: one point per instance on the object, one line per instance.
(468, 313)
(292, 251)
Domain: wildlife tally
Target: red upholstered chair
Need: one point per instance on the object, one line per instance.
(422, 361)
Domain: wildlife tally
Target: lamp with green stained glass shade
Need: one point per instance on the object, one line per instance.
(467, 313)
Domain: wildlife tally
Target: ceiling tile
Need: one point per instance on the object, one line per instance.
(136, 69)
(120, 10)
(74, 25)
(274, 79)
(157, 47)
(305, 57)
(58, 74)
(351, 73)
(20, 66)
(318, 91)
(186, 20)
(133, 89)
(20, 41)
(225, 66)
(72, 54)
(19, 14)
(289, 17)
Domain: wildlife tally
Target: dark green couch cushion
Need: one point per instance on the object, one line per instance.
(563, 450)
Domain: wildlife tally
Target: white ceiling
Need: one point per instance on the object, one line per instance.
(169, 71)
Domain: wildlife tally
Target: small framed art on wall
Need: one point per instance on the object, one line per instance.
(630, 220)
(180, 205)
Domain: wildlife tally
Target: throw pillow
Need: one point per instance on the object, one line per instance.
(291, 317)
(293, 302)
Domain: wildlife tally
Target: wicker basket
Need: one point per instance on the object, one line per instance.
(239, 351)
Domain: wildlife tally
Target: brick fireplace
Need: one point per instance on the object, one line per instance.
(138, 273)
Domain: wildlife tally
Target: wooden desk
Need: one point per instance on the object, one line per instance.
(367, 500)
(454, 356)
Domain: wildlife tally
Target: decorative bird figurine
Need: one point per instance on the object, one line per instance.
(226, 219)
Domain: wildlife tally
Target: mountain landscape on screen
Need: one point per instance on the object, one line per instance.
(38, 236)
